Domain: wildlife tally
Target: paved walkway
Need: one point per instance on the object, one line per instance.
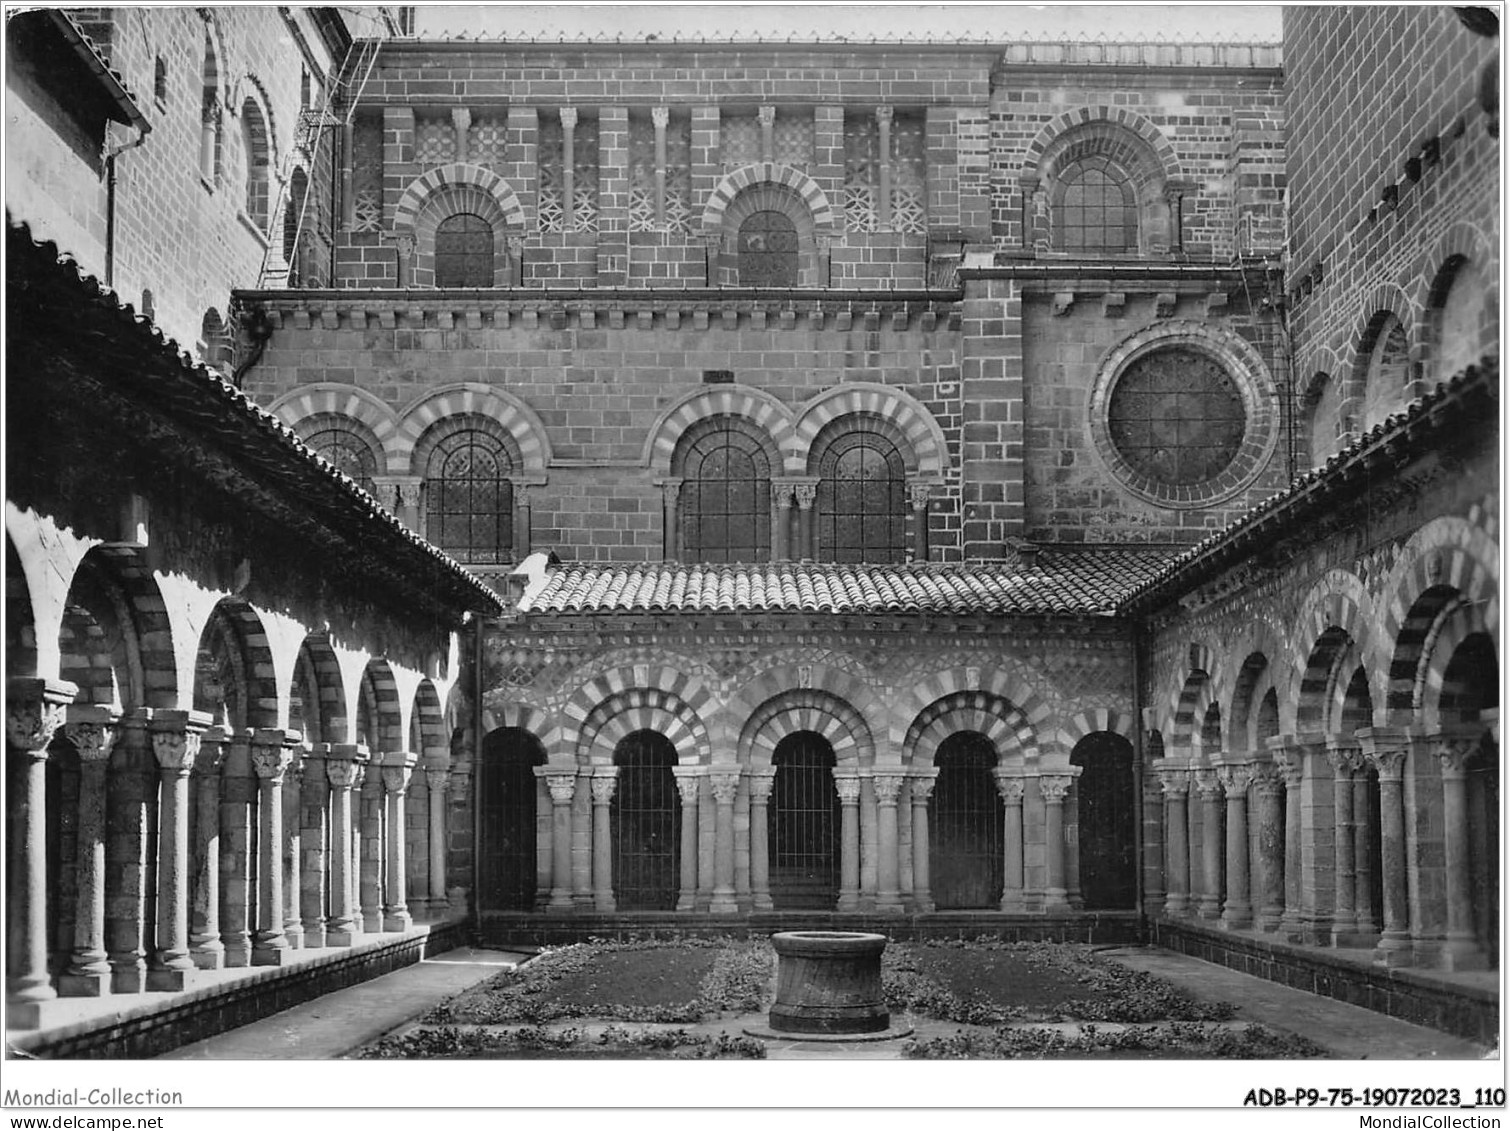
(339, 1022)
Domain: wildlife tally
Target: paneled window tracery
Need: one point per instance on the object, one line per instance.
(469, 499)
(724, 507)
(434, 140)
(367, 173)
(1095, 208)
(568, 190)
(739, 138)
(793, 138)
(862, 500)
(660, 193)
(885, 185)
(487, 138)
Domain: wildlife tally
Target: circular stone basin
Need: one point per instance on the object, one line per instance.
(829, 982)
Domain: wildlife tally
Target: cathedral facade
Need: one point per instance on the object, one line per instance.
(1041, 489)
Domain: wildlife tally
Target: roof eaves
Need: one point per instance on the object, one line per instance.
(94, 59)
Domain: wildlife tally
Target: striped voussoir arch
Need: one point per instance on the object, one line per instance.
(1451, 636)
(257, 660)
(642, 708)
(1095, 721)
(1189, 700)
(1002, 683)
(127, 566)
(1446, 559)
(302, 410)
(531, 717)
(1057, 127)
(468, 399)
(929, 453)
(734, 183)
(429, 719)
(755, 405)
(335, 720)
(473, 189)
(378, 677)
(1337, 600)
(806, 709)
(998, 719)
(675, 687)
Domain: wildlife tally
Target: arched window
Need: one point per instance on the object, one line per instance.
(1177, 417)
(347, 452)
(215, 343)
(210, 117)
(725, 502)
(258, 163)
(464, 251)
(1387, 378)
(767, 249)
(862, 500)
(293, 220)
(1095, 210)
(469, 500)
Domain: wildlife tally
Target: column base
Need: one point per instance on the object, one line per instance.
(128, 980)
(1175, 906)
(238, 953)
(1056, 901)
(1461, 954)
(560, 901)
(1012, 904)
(338, 936)
(1236, 920)
(208, 957)
(170, 981)
(848, 902)
(1316, 932)
(314, 936)
(762, 902)
(23, 1014)
(889, 905)
(723, 903)
(1393, 950)
(372, 922)
(84, 985)
(397, 921)
(272, 957)
(295, 935)
(1268, 921)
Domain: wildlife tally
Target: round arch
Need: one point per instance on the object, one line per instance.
(763, 410)
(1057, 136)
(1002, 683)
(819, 213)
(659, 686)
(996, 719)
(929, 455)
(622, 714)
(450, 189)
(471, 399)
(303, 409)
(804, 709)
(1337, 599)
(234, 644)
(379, 691)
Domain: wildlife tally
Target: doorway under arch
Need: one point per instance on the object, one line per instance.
(803, 825)
(1108, 814)
(645, 819)
(506, 837)
(965, 825)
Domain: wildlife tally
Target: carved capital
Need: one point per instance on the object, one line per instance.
(1345, 755)
(1266, 780)
(1207, 784)
(767, 115)
(34, 709)
(883, 116)
(1454, 749)
(437, 778)
(806, 495)
(725, 785)
(603, 784)
(1288, 760)
(344, 764)
(888, 787)
(92, 731)
(923, 782)
(272, 754)
(671, 490)
(563, 787)
(659, 116)
(1173, 779)
(396, 778)
(568, 117)
(212, 752)
(1055, 787)
(176, 738)
(689, 781)
(1011, 787)
(919, 494)
(1385, 749)
(1235, 779)
(847, 782)
(761, 783)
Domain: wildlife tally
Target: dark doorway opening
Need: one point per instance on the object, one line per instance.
(804, 825)
(645, 816)
(506, 839)
(1107, 822)
(965, 825)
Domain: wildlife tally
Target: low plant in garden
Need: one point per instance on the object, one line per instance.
(1175, 1039)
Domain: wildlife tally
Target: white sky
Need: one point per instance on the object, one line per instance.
(862, 22)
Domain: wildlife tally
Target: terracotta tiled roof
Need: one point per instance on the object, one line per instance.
(1080, 582)
(1427, 420)
(54, 304)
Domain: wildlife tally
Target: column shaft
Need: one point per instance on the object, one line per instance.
(175, 743)
(1176, 783)
(437, 776)
(725, 786)
(1237, 911)
(1013, 879)
(91, 730)
(344, 769)
(271, 757)
(848, 785)
(398, 771)
(603, 782)
(563, 788)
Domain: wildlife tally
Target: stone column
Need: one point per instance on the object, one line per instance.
(781, 518)
(1012, 787)
(343, 767)
(238, 840)
(1054, 788)
(1364, 911)
(1237, 911)
(1385, 749)
(725, 785)
(1175, 781)
(603, 781)
(34, 709)
(398, 771)
(767, 116)
(370, 844)
(671, 490)
(918, 495)
(1153, 844)
(1270, 790)
(563, 787)
(659, 117)
(1291, 770)
(175, 744)
(205, 945)
(806, 494)
(761, 783)
(1318, 863)
(437, 777)
(568, 168)
(461, 124)
(293, 846)
(888, 789)
(1344, 756)
(314, 835)
(272, 755)
(1426, 882)
(847, 782)
(1454, 750)
(688, 783)
(883, 169)
(921, 783)
(91, 729)
(1210, 791)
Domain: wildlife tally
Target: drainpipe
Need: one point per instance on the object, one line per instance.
(143, 130)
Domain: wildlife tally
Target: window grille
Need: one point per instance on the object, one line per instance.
(803, 825)
(792, 139)
(551, 209)
(486, 141)
(725, 500)
(469, 498)
(1096, 212)
(909, 193)
(862, 500)
(506, 846)
(739, 138)
(641, 174)
(464, 251)
(768, 250)
(367, 173)
(434, 141)
(965, 819)
(585, 198)
(347, 453)
(645, 816)
(861, 178)
(1177, 417)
